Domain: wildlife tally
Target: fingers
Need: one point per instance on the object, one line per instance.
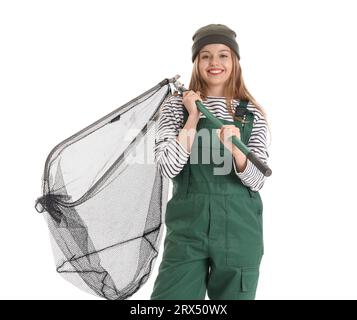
(188, 93)
(228, 131)
(192, 94)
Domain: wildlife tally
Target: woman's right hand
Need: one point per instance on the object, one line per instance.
(189, 101)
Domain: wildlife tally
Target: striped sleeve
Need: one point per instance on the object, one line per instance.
(251, 176)
(170, 155)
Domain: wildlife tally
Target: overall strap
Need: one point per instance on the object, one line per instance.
(248, 118)
(241, 109)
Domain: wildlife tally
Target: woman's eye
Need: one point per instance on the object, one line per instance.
(222, 56)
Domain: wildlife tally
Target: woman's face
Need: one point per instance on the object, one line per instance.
(215, 65)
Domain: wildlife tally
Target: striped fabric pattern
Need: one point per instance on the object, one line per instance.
(171, 156)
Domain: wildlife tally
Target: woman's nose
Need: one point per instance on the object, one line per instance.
(214, 61)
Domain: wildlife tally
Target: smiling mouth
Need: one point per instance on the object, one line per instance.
(215, 73)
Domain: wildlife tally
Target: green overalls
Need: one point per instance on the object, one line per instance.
(212, 221)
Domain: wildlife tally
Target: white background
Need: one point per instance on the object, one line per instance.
(64, 64)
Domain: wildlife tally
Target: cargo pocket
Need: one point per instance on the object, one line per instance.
(249, 280)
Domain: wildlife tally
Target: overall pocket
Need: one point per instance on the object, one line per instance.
(249, 280)
(181, 212)
(244, 236)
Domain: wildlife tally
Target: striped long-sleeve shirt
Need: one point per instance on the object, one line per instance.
(171, 156)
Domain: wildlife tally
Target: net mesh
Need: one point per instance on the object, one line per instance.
(105, 199)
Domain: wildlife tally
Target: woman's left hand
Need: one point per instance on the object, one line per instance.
(224, 135)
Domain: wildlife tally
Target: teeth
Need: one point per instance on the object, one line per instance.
(219, 71)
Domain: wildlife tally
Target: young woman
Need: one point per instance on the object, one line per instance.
(214, 229)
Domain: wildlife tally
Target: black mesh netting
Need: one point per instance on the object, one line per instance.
(105, 199)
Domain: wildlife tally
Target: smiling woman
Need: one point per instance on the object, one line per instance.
(214, 237)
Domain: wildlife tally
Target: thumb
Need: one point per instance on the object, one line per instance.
(199, 94)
